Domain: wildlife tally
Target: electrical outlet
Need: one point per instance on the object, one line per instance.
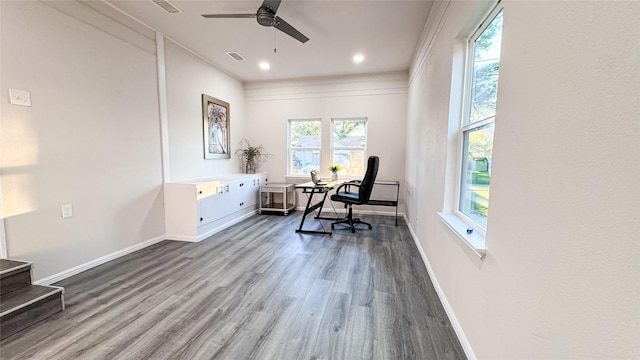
(67, 211)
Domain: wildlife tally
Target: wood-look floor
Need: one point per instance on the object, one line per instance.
(256, 290)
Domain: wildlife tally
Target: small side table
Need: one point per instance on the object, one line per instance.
(277, 197)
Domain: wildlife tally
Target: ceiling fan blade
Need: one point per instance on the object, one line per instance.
(271, 4)
(228, 16)
(289, 30)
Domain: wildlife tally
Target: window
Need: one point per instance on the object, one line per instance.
(348, 145)
(479, 110)
(305, 140)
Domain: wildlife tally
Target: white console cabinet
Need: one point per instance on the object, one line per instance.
(197, 209)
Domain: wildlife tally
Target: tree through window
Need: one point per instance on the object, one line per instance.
(305, 143)
(348, 144)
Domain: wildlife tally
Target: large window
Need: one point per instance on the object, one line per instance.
(348, 145)
(476, 133)
(305, 144)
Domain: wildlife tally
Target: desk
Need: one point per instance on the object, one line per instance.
(321, 188)
(390, 202)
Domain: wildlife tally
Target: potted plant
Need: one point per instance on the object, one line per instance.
(251, 154)
(334, 168)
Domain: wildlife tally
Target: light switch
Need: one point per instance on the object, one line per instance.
(67, 211)
(19, 97)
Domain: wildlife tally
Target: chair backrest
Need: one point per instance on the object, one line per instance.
(366, 187)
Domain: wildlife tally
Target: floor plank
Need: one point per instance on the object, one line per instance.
(256, 290)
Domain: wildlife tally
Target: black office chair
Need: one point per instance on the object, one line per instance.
(344, 194)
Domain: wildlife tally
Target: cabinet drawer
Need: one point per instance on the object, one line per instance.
(207, 189)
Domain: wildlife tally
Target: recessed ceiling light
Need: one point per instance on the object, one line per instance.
(264, 66)
(358, 58)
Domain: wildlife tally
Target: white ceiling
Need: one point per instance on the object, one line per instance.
(385, 32)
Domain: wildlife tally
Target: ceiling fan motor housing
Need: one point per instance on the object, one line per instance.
(265, 17)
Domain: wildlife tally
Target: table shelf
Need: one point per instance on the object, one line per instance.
(277, 197)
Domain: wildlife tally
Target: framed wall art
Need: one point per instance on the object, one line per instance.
(216, 125)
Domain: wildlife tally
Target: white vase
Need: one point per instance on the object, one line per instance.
(334, 176)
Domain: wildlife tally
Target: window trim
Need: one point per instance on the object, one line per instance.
(290, 148)
(454, 220)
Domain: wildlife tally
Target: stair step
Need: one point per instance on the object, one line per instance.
(14, 274)
(6, 264)
(26, 306)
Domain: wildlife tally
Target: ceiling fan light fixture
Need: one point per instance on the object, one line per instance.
(264, 66)
(358, 58)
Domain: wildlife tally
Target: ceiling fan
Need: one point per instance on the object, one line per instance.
(266, 16)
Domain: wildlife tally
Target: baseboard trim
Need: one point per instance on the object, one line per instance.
(182, 238)
(466, 346)
(99, 261)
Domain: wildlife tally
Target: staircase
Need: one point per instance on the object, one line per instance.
(23, 304)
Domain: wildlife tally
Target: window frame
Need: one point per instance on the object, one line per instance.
(466, 125)
(366, 142)
(290, 148)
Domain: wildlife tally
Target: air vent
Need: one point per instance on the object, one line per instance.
(236, 56)
(167, 6)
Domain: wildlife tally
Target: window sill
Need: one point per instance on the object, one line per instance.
(475, 241)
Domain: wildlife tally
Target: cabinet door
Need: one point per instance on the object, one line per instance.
(214, 207)
(245, 193)
(250, 191)
(207, 210)
(222, 202)
(236, 195)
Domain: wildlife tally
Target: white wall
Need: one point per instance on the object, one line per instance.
(381, 98)
(91, 139)
(187, 78)
(561, 279)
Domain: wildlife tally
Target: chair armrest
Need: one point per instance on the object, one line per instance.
(348, 185)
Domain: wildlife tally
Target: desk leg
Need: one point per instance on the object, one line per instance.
(321, 203)
(397, 200)
(309, 209)
(306, 211)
